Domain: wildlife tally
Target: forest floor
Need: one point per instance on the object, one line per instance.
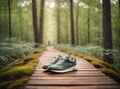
(86, 75)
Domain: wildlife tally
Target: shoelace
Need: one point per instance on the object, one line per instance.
(56, 58)
(61, 61)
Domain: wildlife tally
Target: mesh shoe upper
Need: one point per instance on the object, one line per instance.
(64, 63)
(52, 62)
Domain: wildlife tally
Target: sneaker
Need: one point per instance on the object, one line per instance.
(64, 65)
(54, 61)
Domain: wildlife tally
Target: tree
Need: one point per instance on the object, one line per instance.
(35, 25)
(107, 33)
(9, 13)
(77, 26)
(72, 23)
(41, 22)
(58, 21)
(119, 19)
(88, 19)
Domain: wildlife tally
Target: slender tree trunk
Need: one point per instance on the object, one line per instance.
(88, 23)
(77, 26)
(67, 31)
(72, 23)
(35, 25)
(41, 22)
(9, 13)
(119, 19)
(58, 22)
(107, 33)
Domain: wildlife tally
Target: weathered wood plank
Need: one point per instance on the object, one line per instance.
(81, 71)
(76, 87)
(68, 75)
(70, 81)
(81, 78)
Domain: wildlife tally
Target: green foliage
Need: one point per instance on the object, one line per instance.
(4, 85)
(91, 50)
(18, 84)
(16, 73)
(16, 76)
(12, 49)
(106, 68)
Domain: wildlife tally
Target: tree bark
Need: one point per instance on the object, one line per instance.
(72, 23)
(35, 25)
(58, 22)
(107, 33)
(77, 26)
(9, 13)
(88, 23)
(41, 22)
(119, 19)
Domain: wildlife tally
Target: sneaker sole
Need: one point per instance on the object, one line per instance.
(64, 71)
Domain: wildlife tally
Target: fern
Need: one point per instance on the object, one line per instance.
(12, 49)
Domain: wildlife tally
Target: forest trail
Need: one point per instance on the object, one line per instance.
(86, 76)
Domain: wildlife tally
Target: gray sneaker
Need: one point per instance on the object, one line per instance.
(64, 65)
(54, 61)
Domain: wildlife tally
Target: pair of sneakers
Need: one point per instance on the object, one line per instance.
(61, 64)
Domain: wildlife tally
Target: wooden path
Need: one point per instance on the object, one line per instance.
(86, 77)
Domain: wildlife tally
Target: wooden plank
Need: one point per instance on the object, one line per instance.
(81, 78)
(38, 72)
(68, 75)
(75, 87)
(70, 81)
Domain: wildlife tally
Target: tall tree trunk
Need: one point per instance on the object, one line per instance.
(88, 23)
(119, 20)
(67, 27)
(35, 25)
(107, 33)
(9, 13)
(41, 22)
(77, 26)
(72, 23)
(58, 22)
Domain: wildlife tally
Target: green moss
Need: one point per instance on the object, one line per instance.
(16, 72)
(111, 73)
(18, 84)
(17, 75)
(97, 64)
(101, 64)
(3, 85)
(106, 65)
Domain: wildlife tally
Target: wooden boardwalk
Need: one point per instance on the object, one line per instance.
(86, 76)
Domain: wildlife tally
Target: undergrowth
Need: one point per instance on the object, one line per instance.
(17, 75)
(18, 65)
(92, 50)
(106, 68)
(12, 49)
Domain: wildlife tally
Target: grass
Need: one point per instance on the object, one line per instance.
(106, 68)
(17, 75)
